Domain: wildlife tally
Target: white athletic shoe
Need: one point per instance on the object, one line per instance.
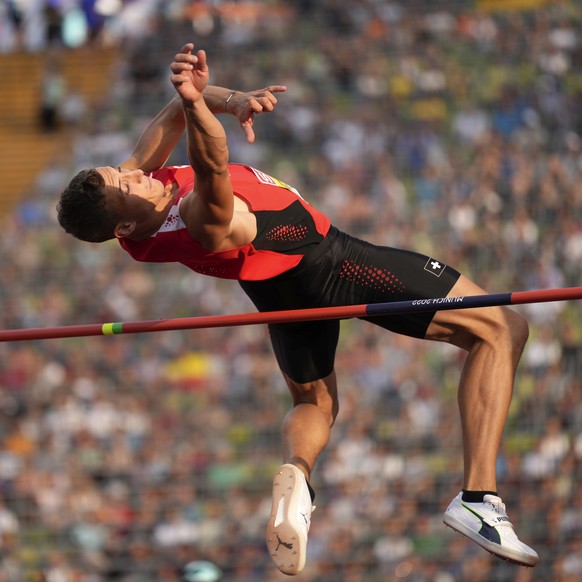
(487, 524)
(288, 525)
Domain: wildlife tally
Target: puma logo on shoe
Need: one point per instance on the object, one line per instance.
(289, 546)
(487, 531)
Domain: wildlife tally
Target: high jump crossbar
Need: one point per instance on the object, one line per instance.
(312, 314)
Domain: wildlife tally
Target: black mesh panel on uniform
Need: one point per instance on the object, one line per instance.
(291, 231)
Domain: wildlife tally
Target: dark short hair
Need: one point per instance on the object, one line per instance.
(82, 210)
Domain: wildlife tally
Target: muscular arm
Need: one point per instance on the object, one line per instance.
(159, 139)
(209, 211)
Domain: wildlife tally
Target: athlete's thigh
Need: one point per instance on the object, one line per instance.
(305, 351)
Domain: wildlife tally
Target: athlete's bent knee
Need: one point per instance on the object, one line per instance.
(320, 393)
(518, 329)
(510, 330)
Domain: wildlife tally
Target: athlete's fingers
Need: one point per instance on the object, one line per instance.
(179, 79)
(247, 127)
(179, 67)
(267, 99)
(261, 103)
(187, 48)
(185, 58)
(276, 88)
(201, 54)
(257, 106)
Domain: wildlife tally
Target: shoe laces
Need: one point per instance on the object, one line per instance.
(498, 507)
(495, 502)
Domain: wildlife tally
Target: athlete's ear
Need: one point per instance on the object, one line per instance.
(124, 229)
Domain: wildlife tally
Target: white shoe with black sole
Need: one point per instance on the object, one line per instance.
(487, 524)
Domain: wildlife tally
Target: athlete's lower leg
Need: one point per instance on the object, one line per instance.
(306, 428)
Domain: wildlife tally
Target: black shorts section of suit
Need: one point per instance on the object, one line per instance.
(344, 270)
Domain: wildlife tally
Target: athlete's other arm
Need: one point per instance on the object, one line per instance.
(209, 211)
(244, 106)
(162, 135)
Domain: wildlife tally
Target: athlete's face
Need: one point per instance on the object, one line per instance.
(139, 199)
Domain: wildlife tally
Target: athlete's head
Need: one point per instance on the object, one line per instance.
(82, 210)
(102, 203)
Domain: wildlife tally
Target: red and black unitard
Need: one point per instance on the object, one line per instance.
(298, 260)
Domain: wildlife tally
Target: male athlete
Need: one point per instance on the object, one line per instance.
(236, 222)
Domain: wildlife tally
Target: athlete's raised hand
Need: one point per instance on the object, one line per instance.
(245, 106)
(189, 73)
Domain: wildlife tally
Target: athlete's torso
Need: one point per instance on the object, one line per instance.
(287, 227)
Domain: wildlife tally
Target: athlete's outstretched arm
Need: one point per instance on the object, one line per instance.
(162, 135)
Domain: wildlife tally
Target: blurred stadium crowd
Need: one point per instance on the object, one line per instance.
(437, 126)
